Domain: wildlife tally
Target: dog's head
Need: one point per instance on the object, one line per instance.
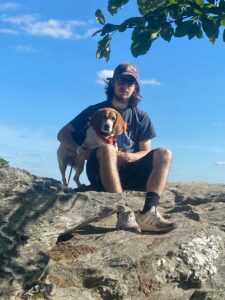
(108, 122)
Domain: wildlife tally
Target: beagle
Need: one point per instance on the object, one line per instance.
(105, 125)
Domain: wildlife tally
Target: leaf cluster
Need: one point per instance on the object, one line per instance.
(164, 19)
(3, 163)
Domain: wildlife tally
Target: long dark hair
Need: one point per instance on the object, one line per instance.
(135, 98)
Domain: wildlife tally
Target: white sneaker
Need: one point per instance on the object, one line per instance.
(126, 220)
(154, 222)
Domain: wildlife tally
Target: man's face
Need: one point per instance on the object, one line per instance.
(124, 87)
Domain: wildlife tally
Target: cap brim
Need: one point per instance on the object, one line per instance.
(129, 74)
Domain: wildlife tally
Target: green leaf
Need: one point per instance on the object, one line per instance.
(210, 29)
(224, 35)
(156, 20)
(131, 22)
(171, 2)
(200, 2)
(222, 22)
(183, 29)
(222, 4)
(198, 11)
(104, 47)
(189, 28)
(147, 6)
(192, 30)
(176, 12)
(141, 41)
(100, 17)
(167, 32)
(114, 5)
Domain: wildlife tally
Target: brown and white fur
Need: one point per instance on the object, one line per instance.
(104, 123)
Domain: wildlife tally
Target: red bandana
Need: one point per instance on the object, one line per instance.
(109, 140)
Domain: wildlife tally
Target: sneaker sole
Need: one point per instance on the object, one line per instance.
(160, 230)
(132, 229)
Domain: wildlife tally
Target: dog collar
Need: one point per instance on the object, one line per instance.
(109, 140)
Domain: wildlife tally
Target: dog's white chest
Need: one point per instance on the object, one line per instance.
(92, 140)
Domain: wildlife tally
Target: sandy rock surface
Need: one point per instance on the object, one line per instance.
(57, 244)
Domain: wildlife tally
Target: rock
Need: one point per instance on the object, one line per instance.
(58, 244)
(34, 212)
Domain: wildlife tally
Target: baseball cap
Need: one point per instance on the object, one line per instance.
(126, 69)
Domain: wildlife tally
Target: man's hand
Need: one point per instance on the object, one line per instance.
(123, 157)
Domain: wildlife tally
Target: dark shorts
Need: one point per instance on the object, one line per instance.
(133, 175)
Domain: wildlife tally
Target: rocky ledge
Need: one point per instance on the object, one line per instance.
(59, 244)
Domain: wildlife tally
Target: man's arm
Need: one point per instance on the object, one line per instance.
(65, 136)
(144, 148)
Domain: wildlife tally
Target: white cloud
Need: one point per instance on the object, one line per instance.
(52, 28)
(32, 24)
(8, 31)
(20, 19)
(25, 49)
(152, 81)
(220, 163)
(9, 6)
(103, 75)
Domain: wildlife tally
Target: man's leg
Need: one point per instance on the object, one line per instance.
(109, 174)
(162, 160)
(158, 177)
(110, 179)
(150, 219)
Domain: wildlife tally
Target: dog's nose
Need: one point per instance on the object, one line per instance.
(106, 126)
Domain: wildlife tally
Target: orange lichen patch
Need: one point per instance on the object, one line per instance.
(63, 283)
(69, 251)
(146, 284)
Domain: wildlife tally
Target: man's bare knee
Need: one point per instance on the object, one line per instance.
(106, 152)
(163, 156)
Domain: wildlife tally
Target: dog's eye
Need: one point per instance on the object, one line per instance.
(105, 117)
(113, 118)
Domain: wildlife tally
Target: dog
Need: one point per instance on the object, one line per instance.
(105, 125)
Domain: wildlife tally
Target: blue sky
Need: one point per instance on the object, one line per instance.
(49, 73)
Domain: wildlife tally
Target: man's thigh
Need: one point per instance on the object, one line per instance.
(133, 175)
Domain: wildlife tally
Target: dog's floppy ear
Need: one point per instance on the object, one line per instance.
(96, 120)
(120, 126)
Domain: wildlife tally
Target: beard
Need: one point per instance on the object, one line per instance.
(122, 99)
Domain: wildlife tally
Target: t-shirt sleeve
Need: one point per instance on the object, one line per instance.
(80, 124)
(146, 130)
(82, 119)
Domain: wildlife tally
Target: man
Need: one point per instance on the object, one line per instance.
(137, 169)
